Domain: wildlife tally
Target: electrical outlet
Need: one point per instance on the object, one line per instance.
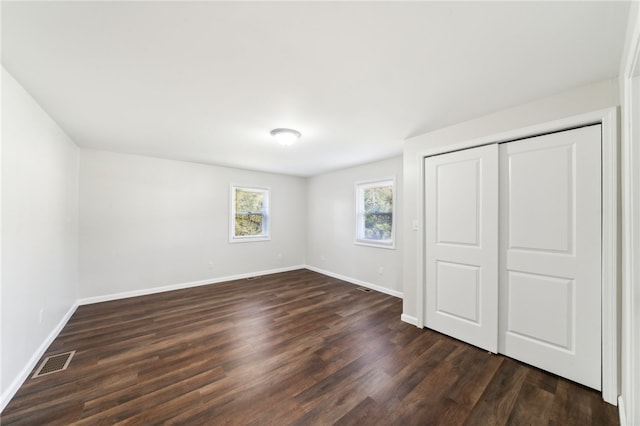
(323, 258)
(381, 270)
(40, 316)
(211, 264)
(279, 256)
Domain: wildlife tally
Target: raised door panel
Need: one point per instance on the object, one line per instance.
(541, 219)
(457, 291)
(457, 201)
(531, 294)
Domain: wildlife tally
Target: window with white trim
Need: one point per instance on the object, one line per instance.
(249, 219)
(375, 224)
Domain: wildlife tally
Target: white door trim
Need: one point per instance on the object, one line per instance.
(629, 404)
(608, 119)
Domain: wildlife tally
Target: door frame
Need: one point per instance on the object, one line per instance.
(608, 119)
(629, 401)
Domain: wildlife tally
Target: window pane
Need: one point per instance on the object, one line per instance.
(378, 199)
(248, 224)
(249, 201)
(249, 215)
(374, 213)
(377, 226)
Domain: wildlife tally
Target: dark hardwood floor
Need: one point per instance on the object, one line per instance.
(292, 348)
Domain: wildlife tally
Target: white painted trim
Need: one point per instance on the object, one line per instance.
(154, 290)
(146, 291)
(420, 294)
(610, 272)
(630, 192)
(266, 206)
(356, 281)
(608, 119)
(409, 319)
(358, 227)
(622, 416)
(8, 394)
(33, 361)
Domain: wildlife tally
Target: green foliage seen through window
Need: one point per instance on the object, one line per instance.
(249, 216)
(378, 213)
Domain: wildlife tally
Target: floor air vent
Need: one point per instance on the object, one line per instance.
(53, 364)
(366, 290)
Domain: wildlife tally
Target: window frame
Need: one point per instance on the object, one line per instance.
(266, 213)
(359, 189)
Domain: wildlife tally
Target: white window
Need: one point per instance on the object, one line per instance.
(249, 214)
(375, 220)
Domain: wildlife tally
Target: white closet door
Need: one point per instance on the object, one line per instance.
(550, 267)
(461, 245)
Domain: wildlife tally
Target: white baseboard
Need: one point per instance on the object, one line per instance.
(622, 414)
(409, 319)
(146, 291)
(355, 281)
(29, 366)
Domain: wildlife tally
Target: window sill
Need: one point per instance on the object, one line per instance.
(249, 239)
(388, 246)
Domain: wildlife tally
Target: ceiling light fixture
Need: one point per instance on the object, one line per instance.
(286, 137)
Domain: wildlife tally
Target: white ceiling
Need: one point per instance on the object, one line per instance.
(207, 81)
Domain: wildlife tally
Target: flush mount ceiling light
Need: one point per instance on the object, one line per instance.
(286, 137)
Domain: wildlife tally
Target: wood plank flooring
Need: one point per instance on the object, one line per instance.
(293, 348)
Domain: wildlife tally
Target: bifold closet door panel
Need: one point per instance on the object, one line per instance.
(550, 244)
(461, 245)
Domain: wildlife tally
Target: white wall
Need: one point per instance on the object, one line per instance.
(331, 228)
(147, 223)
(39, 232)
(578, 101)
